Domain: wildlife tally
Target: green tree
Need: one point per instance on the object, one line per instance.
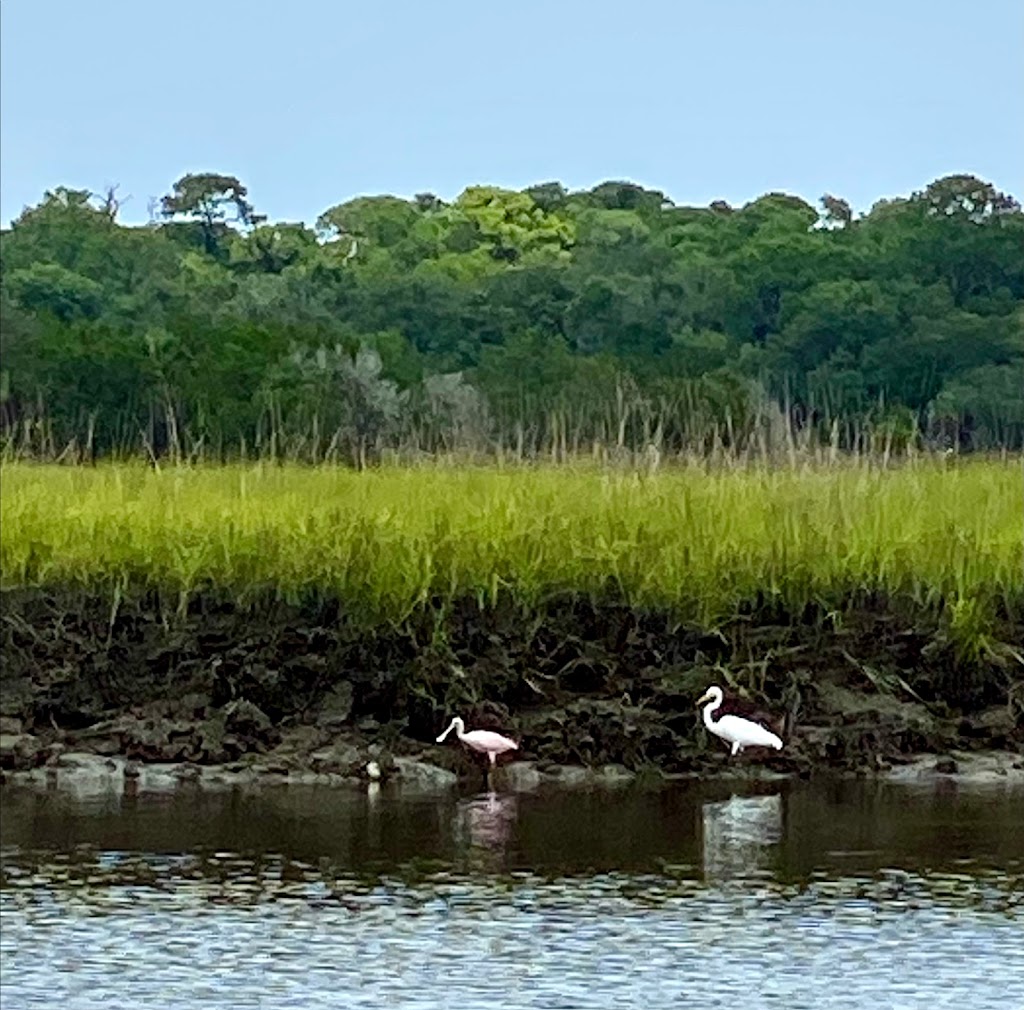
(49, 287)
(384, 221)
(986, 402)
(207, 199)
(607, 314)
(511, 226)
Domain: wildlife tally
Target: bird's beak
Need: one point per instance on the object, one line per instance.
(701, 700)
(440, 739)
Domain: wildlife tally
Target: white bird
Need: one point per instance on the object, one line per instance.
(731, 728)
(484, 741)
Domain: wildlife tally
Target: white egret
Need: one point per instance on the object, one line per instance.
(732, 729)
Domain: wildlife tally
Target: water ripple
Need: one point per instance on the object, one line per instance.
(118, 929)
(828, 897)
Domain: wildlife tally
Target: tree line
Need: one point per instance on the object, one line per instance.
(530, 321)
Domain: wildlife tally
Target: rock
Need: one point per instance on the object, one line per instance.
(209, 746)
(520, 776)
(339, 758)
(19, 751)
(86, 762)
(8, 748)
(247, 721)
(157, 778)
(422, 775)
(15, 698)
(88, 774)
(336, 706)
(106, 746)
(35, 777)
(189, 707)
(987, 768)
(572, 776)
(297, 740)
(10, 726)
(615, 775)
(308, 779)
(567, 775)
(994, 726)
(152, 738)
(157, 740)
(234, 775)
(240, 727)
(271, 775)
(276, 768)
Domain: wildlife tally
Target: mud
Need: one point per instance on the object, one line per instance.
(149, 695)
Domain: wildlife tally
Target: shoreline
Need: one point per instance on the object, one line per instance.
(348, 766)
(90, 775)
(592, 692)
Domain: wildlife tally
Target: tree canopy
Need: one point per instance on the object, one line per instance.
(537, 319)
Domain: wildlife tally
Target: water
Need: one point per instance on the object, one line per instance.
(815, 896)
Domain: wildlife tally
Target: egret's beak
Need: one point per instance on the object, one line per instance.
(700, 701)
(440, 739)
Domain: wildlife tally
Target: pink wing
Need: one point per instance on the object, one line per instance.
(487, 742)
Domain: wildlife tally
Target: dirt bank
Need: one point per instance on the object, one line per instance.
(300, 694)
(85, 774)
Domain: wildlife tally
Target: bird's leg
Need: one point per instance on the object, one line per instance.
(736, 748)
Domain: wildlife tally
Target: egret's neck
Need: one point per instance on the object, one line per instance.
(460, 728)
(709, 708)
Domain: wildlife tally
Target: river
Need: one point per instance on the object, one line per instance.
(831, 894)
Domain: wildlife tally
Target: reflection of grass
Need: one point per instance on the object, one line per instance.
(386, 541)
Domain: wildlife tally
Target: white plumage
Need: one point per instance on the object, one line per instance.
(734, 730)
(484, 741)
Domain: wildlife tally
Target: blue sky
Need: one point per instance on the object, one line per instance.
(312, 102)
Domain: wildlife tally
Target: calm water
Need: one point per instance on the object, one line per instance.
(816, 896)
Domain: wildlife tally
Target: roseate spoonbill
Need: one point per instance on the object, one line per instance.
(732, 729)
(484, 741)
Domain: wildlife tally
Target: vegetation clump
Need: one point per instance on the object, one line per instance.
(701, 544)
(537, 323)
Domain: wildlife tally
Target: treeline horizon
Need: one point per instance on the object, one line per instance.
(540, 321)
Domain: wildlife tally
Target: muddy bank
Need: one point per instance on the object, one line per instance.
(593, 694)
(85, 774)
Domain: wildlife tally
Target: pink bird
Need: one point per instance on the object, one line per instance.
(484, 741)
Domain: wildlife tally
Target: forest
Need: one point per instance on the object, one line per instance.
(540, 322)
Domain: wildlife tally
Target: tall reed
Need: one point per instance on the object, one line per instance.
(698, 542)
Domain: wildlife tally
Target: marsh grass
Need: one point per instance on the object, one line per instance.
(702, 544)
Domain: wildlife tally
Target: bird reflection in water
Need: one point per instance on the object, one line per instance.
(483, 824)
(739, 835)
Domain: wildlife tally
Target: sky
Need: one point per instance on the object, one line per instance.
(312, 102)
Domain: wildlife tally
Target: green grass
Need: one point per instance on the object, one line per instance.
(386, 541)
